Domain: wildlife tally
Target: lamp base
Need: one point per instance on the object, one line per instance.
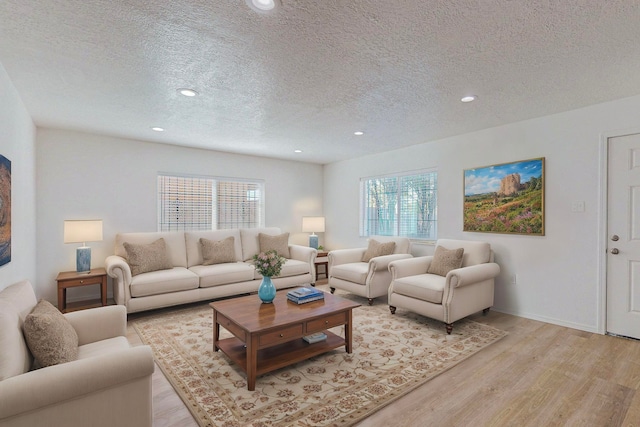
(313, 241)
(83, 259)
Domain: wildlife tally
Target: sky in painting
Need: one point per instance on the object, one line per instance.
(487, 179)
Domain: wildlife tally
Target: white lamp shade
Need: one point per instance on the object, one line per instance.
(81, 231)
(313, 224)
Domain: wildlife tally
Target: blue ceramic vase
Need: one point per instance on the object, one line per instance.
(266, 290)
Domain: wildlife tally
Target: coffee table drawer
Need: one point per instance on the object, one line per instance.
(326, 322)
(231, 327)
(282, 335)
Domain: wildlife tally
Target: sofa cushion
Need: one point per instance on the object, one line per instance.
(279, 243)
(376, 248)
(223, 274)
(249, 237)
(103, 347)
(175, 241)
(218, 252)
(16, 302)
(291, 267)
(475, 252)
(50, 336)
(352, 272)
(163, 281)
(445, 260)
(143, 258)
(194, 248)
(426, 287)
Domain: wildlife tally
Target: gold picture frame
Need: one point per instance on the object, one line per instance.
(505, 198)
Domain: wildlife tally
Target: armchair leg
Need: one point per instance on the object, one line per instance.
(486, 311)
(449, 327)
(332, 290)
(370, 301)
(392, 309)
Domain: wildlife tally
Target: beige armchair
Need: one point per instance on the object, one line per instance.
(108, 385)
(460, 292)
(352, 270)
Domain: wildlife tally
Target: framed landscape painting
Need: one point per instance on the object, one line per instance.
(505, 198)
(5, 210)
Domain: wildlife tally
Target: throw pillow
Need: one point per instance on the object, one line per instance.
(444, 260)
(218, 251)
(49, 335)
(146, 258)
(376, 248)
(279, 243)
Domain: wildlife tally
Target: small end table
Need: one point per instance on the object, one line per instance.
(72, 279)
(322, 261)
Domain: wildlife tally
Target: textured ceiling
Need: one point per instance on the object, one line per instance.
(309, 75)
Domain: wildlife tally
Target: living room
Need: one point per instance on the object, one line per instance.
(63, 173)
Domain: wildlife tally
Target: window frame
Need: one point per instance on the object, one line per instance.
(215, 199)
(399, 226)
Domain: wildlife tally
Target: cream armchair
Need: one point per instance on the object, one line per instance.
(459, 293)
(369, 278)
(108, 385)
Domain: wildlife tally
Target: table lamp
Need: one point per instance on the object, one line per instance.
(313, 224)
(82, 231)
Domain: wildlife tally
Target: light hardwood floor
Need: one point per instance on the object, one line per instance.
(538, 375)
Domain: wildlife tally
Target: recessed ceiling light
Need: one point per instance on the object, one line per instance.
(262, 5)
(358, 132)
(187, 92)
(297, 151)
(469, 98)
(157, 129)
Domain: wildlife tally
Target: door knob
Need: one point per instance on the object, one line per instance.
(615, 238)
(615, 251)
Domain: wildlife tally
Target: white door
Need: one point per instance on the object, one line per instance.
(623, 236)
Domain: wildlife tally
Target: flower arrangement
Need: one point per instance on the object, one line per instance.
(268, 263)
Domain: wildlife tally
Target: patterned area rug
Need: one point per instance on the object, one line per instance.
(392, 355)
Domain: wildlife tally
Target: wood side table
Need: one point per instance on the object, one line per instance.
(72, 279)
(322, 261)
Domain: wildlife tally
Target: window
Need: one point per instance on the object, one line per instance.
(206, 203)
(399, 205)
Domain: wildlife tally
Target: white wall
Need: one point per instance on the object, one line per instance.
(87, 176)
(558, 274)
(17, 143)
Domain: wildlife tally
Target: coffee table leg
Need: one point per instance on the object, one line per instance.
(252, 362)
(347, 332)
(216, 331)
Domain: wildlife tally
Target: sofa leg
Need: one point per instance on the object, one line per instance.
(449, 327)
(332, 290)
(486, 311)
(370, 301)
(392, 309)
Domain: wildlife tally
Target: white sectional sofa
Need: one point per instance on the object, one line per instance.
(189, 280)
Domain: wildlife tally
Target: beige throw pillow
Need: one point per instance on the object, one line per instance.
(445, 260)
(279, 243)
(376, 248)
(218, 251)
(49, 335)
(146, 258)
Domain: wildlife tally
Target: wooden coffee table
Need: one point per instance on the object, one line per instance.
(269, 336)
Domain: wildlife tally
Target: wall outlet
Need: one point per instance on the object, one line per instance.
(514, 279)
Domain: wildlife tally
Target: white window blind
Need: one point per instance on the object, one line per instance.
(207, 203)
(399, 205)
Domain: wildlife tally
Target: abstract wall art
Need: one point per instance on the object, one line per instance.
(5, 210)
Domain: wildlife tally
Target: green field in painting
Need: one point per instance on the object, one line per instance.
(518, 214)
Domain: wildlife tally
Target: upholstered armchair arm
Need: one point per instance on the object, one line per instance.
(345, 256)
(73, 380)
(303, 253)
(118, 269)
(382, 262)
(472, 274)
(99, 323)
(409, 266)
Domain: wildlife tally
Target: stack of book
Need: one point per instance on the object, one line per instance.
(317, 337)
(303, 295)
